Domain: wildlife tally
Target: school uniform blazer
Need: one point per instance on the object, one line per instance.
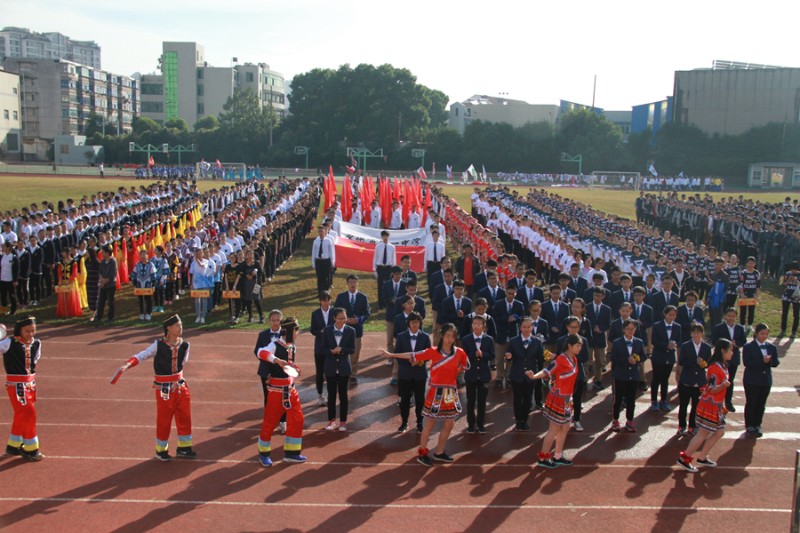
(263, 340)
(685, 320)
(340, 363)
(553, 318)
(448, 312)
(524, 359)
(588, 296)
(721, 331)
(486, 292)
(615, 331)
(660, 338)
(419, 306)
(466, 326)
(388, 295)
(658, 302)
(479, 282)
(617, 299)
(580, 286)
(359, 310)
(645, 316)
(400, 325)
(522, 296)
(439, 295)
(601, 320)
(583, 355)
(692, 374)
(405, 370)
(568, 295)
(506, 329)
(437, 278)
(479, 369)
(623, 369)
(317, 325)
(756, 371)
(541, 327)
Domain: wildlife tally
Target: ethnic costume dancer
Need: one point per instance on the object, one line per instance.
(442, 402)
(558, 405)
(21, 353)
(173, 400)
(711, 410)
(284, 400)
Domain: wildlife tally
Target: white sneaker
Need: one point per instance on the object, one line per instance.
(342, 427)
(322, 401)
(282, 427)
(197, 320)
(141, 317)
(177, 297)
(202, 320)
(331, 426)
(147, 317)
(578, 427)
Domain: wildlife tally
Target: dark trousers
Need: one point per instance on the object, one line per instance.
(755, 403)
(785, 314)
(538, 395)
(337, 384)
(384, 273)
(405, 389)
(36, 286)
(23, 296)
(731, 375)
(748, 312)
(523, 399)
(577, 400)
(319, 367)
(476, 397)
(47, 277)
(430, 268)
(687, 394)
(248, 306)
(106, 295)
(625, 390)
(145, 305)
(8, 295)
(323, 274)
(660, 381)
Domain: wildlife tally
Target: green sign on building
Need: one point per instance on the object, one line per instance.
(170, 71)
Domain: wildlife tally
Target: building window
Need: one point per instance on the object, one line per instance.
(15, 90)
(199, 74)
(152, 107)
(5, 114)
(249, 77)
(12, 142)
(64, 148)
(201, 109)
(16, 115)
(200, 90)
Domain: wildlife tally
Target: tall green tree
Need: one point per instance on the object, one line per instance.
(594, 137)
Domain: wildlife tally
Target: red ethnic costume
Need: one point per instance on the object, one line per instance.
(173, 399)
(20, 359)
(563, 374)
(282, 397)
(711, 407)
(442, 400)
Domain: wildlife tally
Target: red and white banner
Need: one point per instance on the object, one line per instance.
(355, 255)
(399, 237)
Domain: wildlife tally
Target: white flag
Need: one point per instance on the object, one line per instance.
(483, 173)
(652, 170)
(472, 172)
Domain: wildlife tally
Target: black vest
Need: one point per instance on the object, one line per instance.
(14, 359)
(165, 363)
(282, 351)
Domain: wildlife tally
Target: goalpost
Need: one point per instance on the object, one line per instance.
(612, 178)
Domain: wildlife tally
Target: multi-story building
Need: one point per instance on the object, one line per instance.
(652, 115)
(730, 98)
(21, 43)
(497, 109)
(58, 96)
(11, 119)
(189, 88)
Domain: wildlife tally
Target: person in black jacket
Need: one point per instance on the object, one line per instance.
(479, 348)
(664, 341)
(24, 274)
(338, 344)
(455, 308)
(467, 267)
(264, 338)
(525, 352)
(37, 259)
(411, 378)
(573, 326)
(320, 319)
(626, 353)
(506, 314)
(730, 330)
(693, 361)
(759, 357)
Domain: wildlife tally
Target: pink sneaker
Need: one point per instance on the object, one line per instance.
(331, 426)
(615, 426)
(630, 427)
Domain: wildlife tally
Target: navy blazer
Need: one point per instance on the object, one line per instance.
(439, 295)
(419, 306)
(317, 325)
(660, 340)
(588, 296)
(617, 299)
(390, 299)
(506, 329)
(400, 325)
(622, 368)
(554, 320)
(579, 287)
(486, 292)
(602, 321)
(645, 318)
(685, 320)
(522, 296)
(514, 282)
(720, 331)
(264, 338)
(405, 370)
(479, 369)
(360, 310)
(448, 311)
(615, 331)
(339, 363)
(692, 374)
(583, 355)
(479, 282)
(541, 327)
(524, 359)
(756, 371)
(466, 326)
(658, 302)
(568, 295)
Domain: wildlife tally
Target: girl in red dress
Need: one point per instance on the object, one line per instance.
(558, 406)
(710, 409)
(442, 402)
(68, 303)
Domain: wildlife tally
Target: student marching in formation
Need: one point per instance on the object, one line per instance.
(169, 354)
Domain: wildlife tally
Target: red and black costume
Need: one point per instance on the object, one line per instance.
(19, 360)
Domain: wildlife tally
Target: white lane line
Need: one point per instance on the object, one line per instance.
(143, 342)
(782, 410)
(347, 505)
(457, 464)
(795, 390)
(194, 360)
(771, 435)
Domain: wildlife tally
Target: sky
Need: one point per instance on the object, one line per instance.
(537, 51)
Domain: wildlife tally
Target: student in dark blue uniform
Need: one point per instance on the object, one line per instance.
(759, 357)
(411, 377)
(730, 330)
(693, 361)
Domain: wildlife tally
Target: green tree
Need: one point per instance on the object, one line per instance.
(594, 137)
(208, 122)
(177, 125)
(142, 125)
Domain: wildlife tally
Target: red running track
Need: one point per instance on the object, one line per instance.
(99, 470)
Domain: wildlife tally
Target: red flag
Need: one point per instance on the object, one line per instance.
(407, 199)
(386, 202)
(347, 199)
(330, 189)
(426, 207)
(151, 162)
(421, 172)
(219, 165)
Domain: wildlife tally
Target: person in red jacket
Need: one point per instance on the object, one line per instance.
(711, 409)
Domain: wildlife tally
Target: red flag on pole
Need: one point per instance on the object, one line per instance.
(427, 204)
(407, 201)
(151, 162)
(330, 189)
(347, 199)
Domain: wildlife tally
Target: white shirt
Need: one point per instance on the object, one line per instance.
(375, 218)
(414, 220)
(328, 251)
(377, 259)
(397, 219)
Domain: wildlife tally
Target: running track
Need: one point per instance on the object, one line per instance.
(99, 470)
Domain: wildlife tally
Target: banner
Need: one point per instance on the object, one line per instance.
(355, 255)
(367, 235)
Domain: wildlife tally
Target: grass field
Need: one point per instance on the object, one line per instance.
(293, 288)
